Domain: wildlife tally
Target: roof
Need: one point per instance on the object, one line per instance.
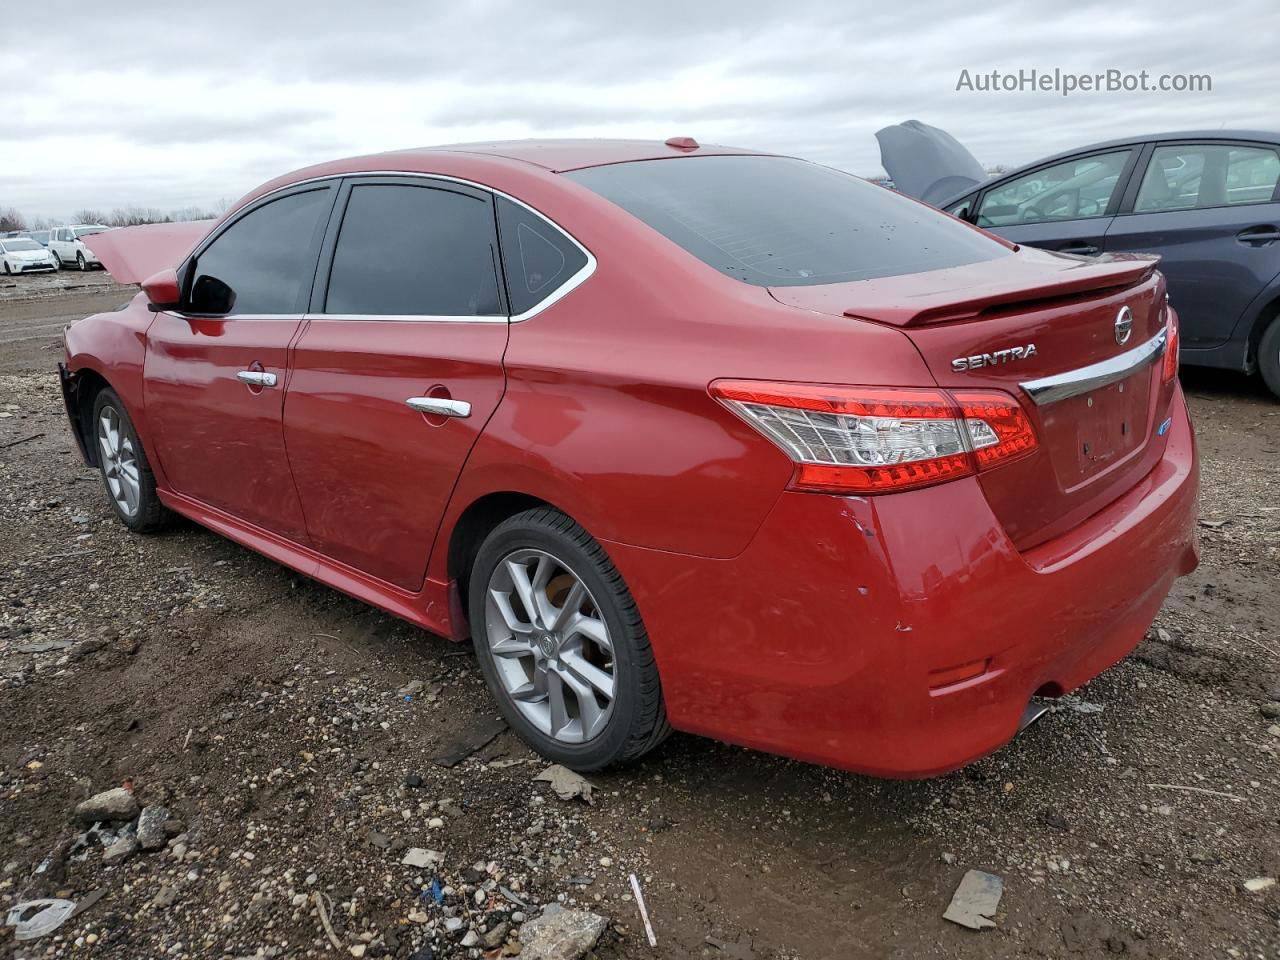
(561, 155)
(1263, 136)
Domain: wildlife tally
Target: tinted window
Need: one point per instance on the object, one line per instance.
(1072, 190)
(537, 257)
(414, 251)
(1207, 175)
(263, 262)
(775, 221)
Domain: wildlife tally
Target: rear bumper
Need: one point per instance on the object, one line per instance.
(903, 635)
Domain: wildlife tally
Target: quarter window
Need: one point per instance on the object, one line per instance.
(1207, 175)
(1073, 190)
(538, 259)
(414, 251)
(263, 263)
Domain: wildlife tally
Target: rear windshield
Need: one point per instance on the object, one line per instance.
(88, 231)
(777, 221)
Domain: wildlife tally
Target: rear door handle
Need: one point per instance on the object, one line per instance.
(256, 378)
(441, 406)
(1080, 247)
(1259, 235)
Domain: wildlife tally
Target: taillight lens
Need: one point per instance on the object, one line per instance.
(879, 439)
(1173, 344)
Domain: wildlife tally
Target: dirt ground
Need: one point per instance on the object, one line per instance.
(264, 711)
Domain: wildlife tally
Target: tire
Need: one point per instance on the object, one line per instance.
(126, 474)
(57, 261)
(80, 262)
(1269, 357)
(542, 658)
(6, 268)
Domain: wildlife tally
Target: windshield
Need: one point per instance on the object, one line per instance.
(12, 245)
(777, 221)
(87, 231)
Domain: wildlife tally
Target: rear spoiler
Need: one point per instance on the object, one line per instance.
(1025, 286)
(132, 254)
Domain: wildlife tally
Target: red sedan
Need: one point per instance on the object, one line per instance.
(681, 437)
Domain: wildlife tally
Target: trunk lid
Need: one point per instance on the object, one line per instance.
(975, 327)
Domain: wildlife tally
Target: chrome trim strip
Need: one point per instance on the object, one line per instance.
(1060, 386)
(572, 283)
(405, 318)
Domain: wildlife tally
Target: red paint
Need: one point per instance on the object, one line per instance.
(899, 634)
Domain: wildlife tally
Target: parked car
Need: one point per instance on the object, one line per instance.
(68, 247)
(23, 255)
(681, 437)
(1208, 202)
(39, 236)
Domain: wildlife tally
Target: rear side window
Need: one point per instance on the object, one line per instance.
(263, 262)
(1187, 176)
(538, 259)
(776, 221)
(414, 251)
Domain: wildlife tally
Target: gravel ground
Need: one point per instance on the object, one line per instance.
(303, 744)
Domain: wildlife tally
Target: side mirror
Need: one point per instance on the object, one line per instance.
(162, 290)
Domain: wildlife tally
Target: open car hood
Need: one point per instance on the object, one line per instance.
(132, 254)
(927, 163)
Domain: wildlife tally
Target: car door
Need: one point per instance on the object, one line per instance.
(1066, 205)
(1212, 212)
(216, 368)
(57, 242)
(397, 370)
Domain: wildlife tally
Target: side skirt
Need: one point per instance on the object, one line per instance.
(428, 609)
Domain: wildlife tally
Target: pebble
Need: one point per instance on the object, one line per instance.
(120, 851)
(1270, 710)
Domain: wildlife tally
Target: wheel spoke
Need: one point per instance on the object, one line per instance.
(572, 603)
(535, 691)
(593, 629)
(502, 601)
(586, 672)
(519, 574)
(589, 711)
(512, 647)
(555, 699)
(105, 446)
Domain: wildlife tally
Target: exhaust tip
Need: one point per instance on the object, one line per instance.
(1033, 712)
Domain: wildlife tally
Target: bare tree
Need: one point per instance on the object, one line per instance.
(88, 216)
(11, 219)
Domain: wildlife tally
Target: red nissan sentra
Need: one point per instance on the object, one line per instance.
(681, 437)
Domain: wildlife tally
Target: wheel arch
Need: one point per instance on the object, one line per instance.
(475, 522)
(1268, 314)
(85, 385)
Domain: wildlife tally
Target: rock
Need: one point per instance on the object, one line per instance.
(358, 950)
(424, 953)
(1052, 818)
(975, 901)
(412, 688)
(561, 934)
(1270, 710)
(378, 839)
(453, 924)
(117, 804)
(413, 781)
(417, 857)
(1258, 884)
(471, 939)
(496, 935)
(165, 898)
(151, 831)
(120, 851)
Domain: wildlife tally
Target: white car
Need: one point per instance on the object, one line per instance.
(23, 255)
(68, 249)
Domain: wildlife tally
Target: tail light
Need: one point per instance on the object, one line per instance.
(881, 439)
(1172, 345)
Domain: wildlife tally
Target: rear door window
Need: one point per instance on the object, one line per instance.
(1075, 189)
(408, 250)
(263, 263)
(778, 221)
(1187, 176)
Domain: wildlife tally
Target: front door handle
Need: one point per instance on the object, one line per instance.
(1259, 235)
(1080, 247)
(256, 378)
(440, 406)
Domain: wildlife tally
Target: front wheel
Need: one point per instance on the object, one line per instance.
(57, 261)
(131, 486)
(1269, 357)
(561, 644)
(80, 263)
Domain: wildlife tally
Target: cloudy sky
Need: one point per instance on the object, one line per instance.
(145, 103)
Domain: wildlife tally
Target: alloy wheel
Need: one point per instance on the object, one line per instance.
(80, 262)
(550, 645)
(119, 462)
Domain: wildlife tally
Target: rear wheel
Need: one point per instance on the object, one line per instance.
(131, 486)
(1269, 357)
(561, 644)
